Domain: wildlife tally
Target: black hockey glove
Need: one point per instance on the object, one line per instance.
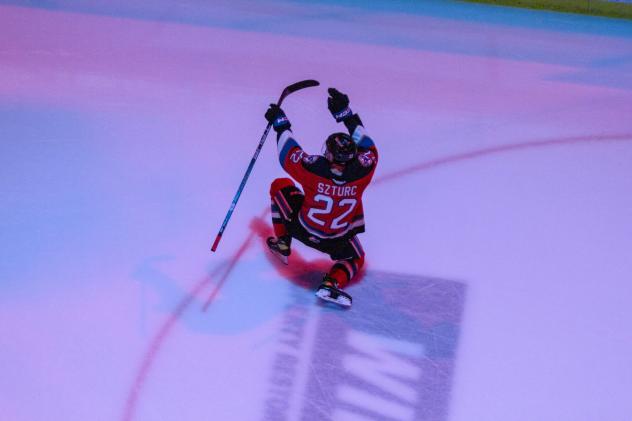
(277, 118)
(338, 104)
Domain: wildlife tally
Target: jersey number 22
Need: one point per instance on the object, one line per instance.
(347, 204)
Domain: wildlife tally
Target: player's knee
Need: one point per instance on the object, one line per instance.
(280, 183)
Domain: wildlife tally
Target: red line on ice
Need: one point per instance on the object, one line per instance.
(158, 340)
(451, 159)
(156, 344)
(233, 262)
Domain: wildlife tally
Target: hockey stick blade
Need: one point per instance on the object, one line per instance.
(297, 87)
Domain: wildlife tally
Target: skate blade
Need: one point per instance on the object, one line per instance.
(282, 258)
(323, 294)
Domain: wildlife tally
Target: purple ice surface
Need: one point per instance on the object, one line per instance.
(499, 237)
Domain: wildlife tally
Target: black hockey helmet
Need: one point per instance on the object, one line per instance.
(340, 148)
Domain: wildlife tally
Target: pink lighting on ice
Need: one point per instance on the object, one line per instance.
(498, 223)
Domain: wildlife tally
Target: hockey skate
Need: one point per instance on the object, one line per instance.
(280, 248)
(329, 291)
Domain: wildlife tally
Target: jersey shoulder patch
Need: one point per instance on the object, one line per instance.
(366, 159)
(297, 155)
(310, 159)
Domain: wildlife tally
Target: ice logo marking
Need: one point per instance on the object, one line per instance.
(390, 357)
(380, 362)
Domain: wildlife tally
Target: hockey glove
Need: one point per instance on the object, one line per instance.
(277, 118)
(338, 104)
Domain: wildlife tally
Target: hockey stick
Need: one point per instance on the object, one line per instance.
(288, 90)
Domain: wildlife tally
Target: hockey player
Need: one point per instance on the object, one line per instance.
(327, 214)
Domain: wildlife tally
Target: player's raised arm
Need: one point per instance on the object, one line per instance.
(290, 152)
(338, 104)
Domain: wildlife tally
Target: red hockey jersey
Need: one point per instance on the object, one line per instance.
(333, 203)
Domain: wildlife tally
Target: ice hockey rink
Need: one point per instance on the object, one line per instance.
(498, 280)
